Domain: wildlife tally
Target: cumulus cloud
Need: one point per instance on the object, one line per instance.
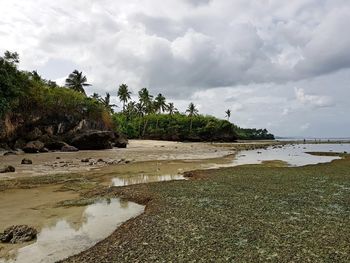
(189, 49)
(313, 100)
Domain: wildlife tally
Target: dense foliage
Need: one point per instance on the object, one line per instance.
(175, 127)
(28, 96)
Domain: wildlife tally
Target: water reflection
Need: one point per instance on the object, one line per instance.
(294, 155)
(64, 239)
(144, 178)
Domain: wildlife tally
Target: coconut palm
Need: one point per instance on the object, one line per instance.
(146, 100)
(106, 101)
(76, 81)
(171, 108)
(124, 94)
(228, 114)
(192, 111)
(160, 103)
(95, 96)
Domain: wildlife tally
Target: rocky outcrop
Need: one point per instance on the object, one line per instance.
(93, 140)
(33, 147)
(18, 234)
(120, 141)
(57, 134)
(7, 169)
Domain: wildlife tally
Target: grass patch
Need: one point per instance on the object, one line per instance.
(240, 214)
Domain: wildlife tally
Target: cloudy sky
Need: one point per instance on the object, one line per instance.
(283, 65)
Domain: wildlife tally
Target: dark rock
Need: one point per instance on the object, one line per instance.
(69, 148)
(100, 160)
(8, 169)
(53, 144)
(33, 147)
(120, 141)
(44, 150)
(93, 140)
(34, 134)
(26, 161)
(10, 153)
(19, 144)
(18, 234)
(86, 160)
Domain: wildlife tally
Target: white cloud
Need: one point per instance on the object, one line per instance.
(313, 100)
(245, 55)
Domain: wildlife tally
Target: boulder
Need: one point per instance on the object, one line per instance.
(33, 147)
(69, 148)
(7, 169)
(44, 150)
(18, 234)
(34, 134)
(53, 144)
(120, 141)
(93, 140)
(26, 161)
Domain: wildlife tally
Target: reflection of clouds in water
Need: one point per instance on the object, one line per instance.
(295, 155)
(63, 240)
(143, 178)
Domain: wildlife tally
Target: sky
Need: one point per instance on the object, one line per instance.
(280, 65)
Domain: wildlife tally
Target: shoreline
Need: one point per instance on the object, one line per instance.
(141, 194)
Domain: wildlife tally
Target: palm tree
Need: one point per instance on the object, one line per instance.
(96, 96)
(146, 100)
(106, 101)
(124, 94)
(160, 103)
(192, 111)
(228, 114)
(171, 108)
(76, 81)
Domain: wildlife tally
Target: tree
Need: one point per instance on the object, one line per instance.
(106, 101)
(11, 57)
(146, 100)
(171, 109)
(228, 114)
(192, 111)
(160, 103)
(124, 94)
(76, 81)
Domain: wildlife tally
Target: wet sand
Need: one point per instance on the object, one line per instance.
(148, 161)
(138, 150)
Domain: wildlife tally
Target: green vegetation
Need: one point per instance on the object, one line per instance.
(242, 214)
(154, 118)
(26, 96)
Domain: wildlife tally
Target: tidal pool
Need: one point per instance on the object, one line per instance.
(294, 155)
(65, 239)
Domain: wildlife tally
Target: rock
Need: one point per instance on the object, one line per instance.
(34, 134)
(33, 147)
(55, 144)
(10, 153)
(8, 169)
(18, 234)
(69, 148)
(20, 143)
(26, 161)
(120, 141)
(100, 160)
(93, 140)
(86, 160)
(44, 150)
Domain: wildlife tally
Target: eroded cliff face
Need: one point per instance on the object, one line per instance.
(55, 132)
